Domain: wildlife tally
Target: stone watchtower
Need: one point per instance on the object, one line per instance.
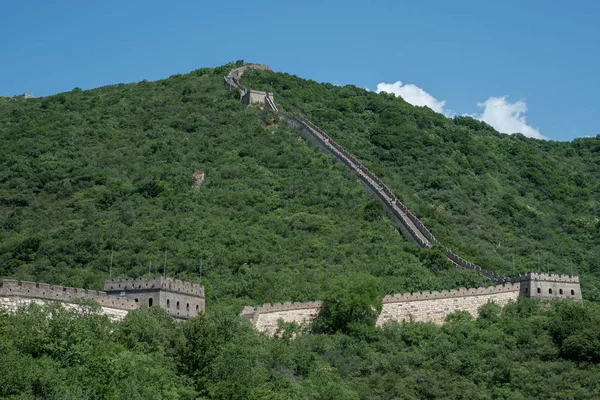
(181, 299)
(548, 286)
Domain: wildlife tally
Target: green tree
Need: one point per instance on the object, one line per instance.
(350, 307)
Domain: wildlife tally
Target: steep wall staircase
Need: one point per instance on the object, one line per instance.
(410, 226)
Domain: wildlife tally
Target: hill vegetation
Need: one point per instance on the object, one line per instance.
(524, 352)
(502, 201)
(87, 176)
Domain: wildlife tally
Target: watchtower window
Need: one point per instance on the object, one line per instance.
(539, 290)
(178, 305)
(550, 291)
(197, 307)
(572, 292)
(187, 307)
(560, 291)
(136, 300)
(168, 304)
(150, 302)
(526, 290)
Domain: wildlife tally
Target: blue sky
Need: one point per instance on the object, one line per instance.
(528, 65)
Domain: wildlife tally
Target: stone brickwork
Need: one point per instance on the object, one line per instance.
(266, 317)
(256, 97)
(549, 286)
(13, 303)
(181, 299)
(418, 307)
(44, 291)
(427, 306)
(436, 306)
(410, 226)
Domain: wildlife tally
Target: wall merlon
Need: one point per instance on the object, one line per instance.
(447, 294)
(25, 289)
(545, 277)
(155, 282)
(271, 307)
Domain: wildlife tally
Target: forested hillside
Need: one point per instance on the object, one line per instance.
(87, 174)
(503, 201)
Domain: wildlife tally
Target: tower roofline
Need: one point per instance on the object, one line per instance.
(157, 282)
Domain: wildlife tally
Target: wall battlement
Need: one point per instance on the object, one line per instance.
(63, 294)
(181, 299)
(287, 306)
(427, 306)
(155, 282)
(545, 277)
(449, 294)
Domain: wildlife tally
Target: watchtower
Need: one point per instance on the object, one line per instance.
(256, 97)
(549, 286)
(181, 299)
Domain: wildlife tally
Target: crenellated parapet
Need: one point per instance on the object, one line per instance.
(548, 286)
(266, 318)
(449, 294)
(545, 277)
(155, 282)
(181, 299)
(44, 291)
(426, 306)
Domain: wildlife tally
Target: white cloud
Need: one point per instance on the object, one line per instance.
(500, 113)
(415, 96)
(507, 117)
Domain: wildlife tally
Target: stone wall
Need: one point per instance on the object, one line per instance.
(256, 97)
(13, 303)
(266, 317)
(549, 286)
(410, 226)
(155, 282)
(181, 299)
(436, 306)
(418, 307)
(44, 291)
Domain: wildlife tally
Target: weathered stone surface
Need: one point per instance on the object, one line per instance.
(13, 303)
(438, 308)
(424, 306)
(181, 299)
(268, 322)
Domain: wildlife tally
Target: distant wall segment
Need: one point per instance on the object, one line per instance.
(436, 306)
(181, 299)
(427, 306)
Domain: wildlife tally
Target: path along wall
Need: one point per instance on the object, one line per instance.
(417, 307)
(411, 227)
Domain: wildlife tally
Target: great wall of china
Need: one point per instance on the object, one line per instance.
(184, 300)
(181, 299)
(426, 306)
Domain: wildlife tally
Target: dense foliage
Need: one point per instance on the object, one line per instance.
(502, 201)
(87, 176)
(89, 173)
(525, 351)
